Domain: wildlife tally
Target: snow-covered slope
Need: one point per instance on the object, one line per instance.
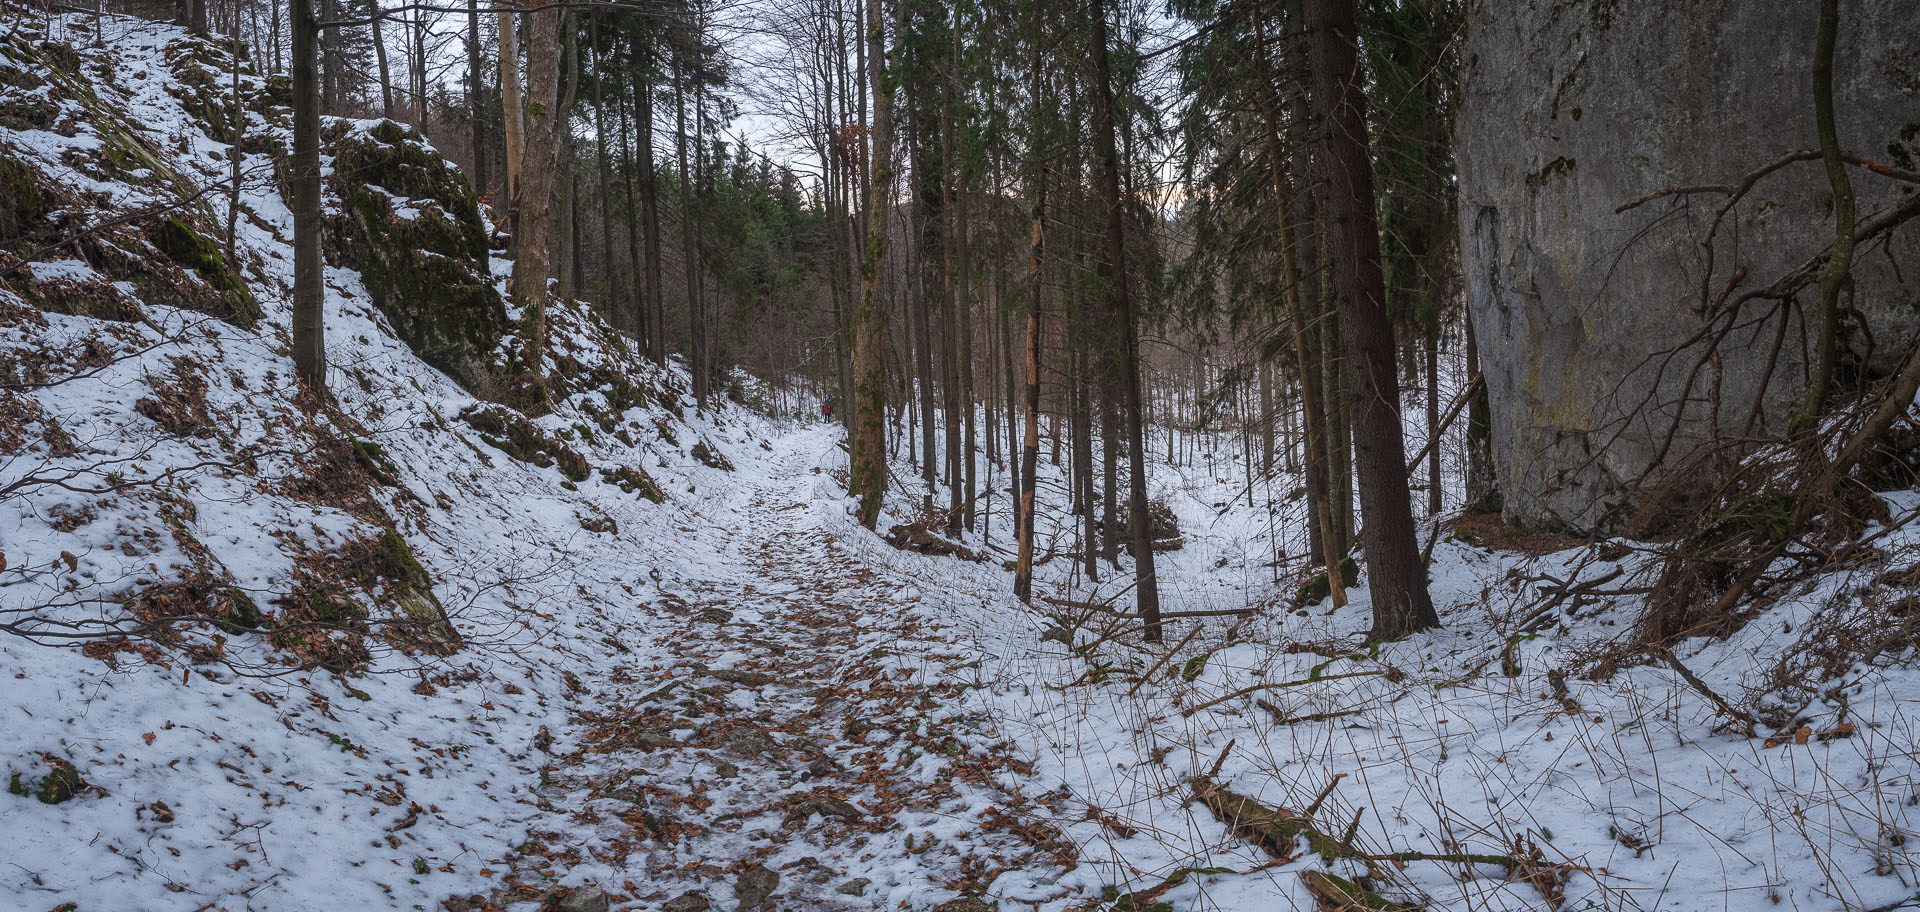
(415, 646)
(287, 722)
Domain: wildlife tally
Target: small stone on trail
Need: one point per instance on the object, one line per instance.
(821, 768)
(963, 904)
(581, 899)
(716, 615)
(854, 887)
(724, 770)
(826, 807)
(1060, 635)
(754, 886)
(748, 742)
(690, 901)
(744, 678)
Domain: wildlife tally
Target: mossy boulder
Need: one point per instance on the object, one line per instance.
(634, 480)
(1319, 587)
(61, 782)
(411, 225)
(512, 433)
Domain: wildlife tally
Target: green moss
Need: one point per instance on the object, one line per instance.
(1561, 165)
(241, 608)
(369, 456)
(1332, 891)
(634, 480)
(512, 433)
(23, 207)
(426, 269)
(1319, 587)
(61, 782)
(199, 254)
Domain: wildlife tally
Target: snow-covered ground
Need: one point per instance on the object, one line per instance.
(738, 682)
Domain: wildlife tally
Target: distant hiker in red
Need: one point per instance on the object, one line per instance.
(826, 409)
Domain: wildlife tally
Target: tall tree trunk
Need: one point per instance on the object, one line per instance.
(690, 248)
(309, 292)
(645, 328)
(374, 15)
(1119, 296)
(513, 116)
(1435, 500)
(331, 64)
(1396, 578)
(1036, 248)
(476, 86)
(869, 475)
(1834, 273)
(609, 280)
(534, 203)
(1322, 538)
(649, 206)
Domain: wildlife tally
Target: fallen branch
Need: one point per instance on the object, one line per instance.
(1257, 688)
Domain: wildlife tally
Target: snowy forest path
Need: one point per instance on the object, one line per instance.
(796, 739)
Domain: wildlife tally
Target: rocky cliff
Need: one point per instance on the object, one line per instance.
(1623, 348)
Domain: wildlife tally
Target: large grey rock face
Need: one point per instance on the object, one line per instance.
(1590, 320)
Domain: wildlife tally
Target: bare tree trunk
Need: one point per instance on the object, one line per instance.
(1030, 443)
(609, 279)
(1435, 499)
(1119, 295)
(476, 86)
(1319, 506)
(690, 248)
(513, 116)
(869, 475)
(375, 14)
(309, 294)
(534, 202)
(1396, 578)
(649, 208)
(1834, 272)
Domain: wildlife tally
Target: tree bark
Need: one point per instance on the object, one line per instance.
(475, 88)
(649, 206)
(309, 290)
(1834, 273)
(869, 476)
(1396, 577)
(538, 170)
(380, 58)
(1036, 249)
(1119, 296)
(512, 116)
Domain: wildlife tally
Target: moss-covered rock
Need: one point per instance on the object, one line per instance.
(411, 225)
(169, 259)
(512, 433)
(61, 782)
(326, 621)
(1319, 587)
(634, 480)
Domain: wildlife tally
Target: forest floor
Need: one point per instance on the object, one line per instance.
(795, 731)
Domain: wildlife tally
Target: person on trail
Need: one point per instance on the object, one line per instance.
(826, 409)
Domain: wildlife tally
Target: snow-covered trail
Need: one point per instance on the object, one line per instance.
(793, 731)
